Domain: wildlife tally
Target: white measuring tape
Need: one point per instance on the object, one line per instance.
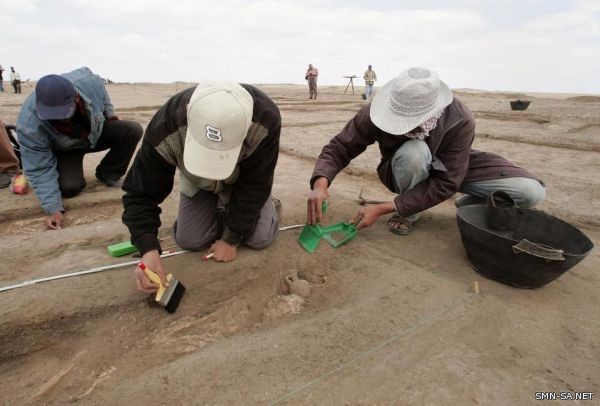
(104, 268)
(93, 270)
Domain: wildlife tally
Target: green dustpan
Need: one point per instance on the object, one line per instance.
(335, 235)
(339, 234)
(309, 237)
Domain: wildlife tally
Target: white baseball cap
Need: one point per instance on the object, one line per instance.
(219, 115)
(409, 100)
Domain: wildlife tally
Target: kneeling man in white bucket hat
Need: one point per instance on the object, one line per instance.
(425, 136)
(224, 139)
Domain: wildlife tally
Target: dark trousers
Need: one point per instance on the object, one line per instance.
(17, 85)
(120, 136)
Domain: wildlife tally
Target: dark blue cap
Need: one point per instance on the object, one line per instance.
(55, 98)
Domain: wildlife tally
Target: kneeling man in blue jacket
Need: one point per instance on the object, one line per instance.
(68, 116)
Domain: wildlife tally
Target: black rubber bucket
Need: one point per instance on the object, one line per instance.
(535, 250)
(519, 104)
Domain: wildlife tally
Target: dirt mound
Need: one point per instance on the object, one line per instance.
(585, 99)
(509, 116)
(493, 95)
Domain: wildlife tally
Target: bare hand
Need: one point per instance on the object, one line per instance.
(223, 251)
(316, 197)
(367, 215)
(152, 260)
(55, 221)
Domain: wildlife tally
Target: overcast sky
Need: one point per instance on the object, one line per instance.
(527, 45)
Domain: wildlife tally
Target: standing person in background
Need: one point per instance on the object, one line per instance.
(15, 78)
(370, 77)
(1, 80)
(311, 76)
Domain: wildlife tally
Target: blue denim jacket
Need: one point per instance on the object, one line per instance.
(39, 139)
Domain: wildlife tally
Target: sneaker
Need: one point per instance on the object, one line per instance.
(110, 182)
(4, 179)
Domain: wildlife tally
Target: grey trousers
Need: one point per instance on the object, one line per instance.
(196, 226)
(412, 162)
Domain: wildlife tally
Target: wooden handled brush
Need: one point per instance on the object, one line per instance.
(166, 296)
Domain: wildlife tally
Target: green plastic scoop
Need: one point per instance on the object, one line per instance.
(335, 234)
(339, 234)
(309, 237)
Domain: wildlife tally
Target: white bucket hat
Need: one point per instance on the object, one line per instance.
(410, 99)
(219, 115)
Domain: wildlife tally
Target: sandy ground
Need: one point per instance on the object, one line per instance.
(390, 320)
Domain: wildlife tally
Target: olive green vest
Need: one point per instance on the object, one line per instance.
(171, 149)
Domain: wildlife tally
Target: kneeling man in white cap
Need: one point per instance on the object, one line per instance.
(224, 139)
(425, 136)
